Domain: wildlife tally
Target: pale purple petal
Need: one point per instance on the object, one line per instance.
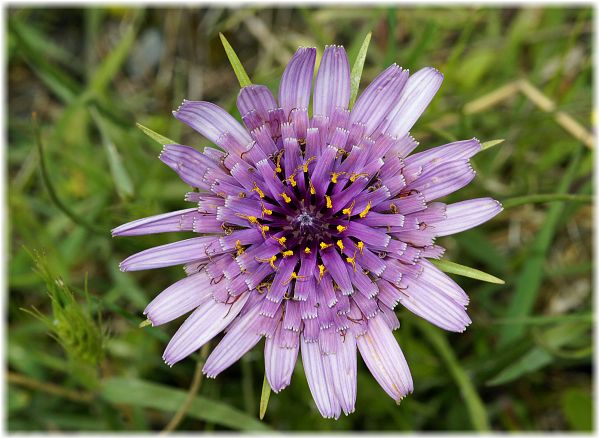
(416, 95)
(179, 220)
(280, 359)
(201, 326)
(465, 215)
(320, 380)
(332, 85)
(384, 358)
(180, 298)
(256, 98)
(296, 82)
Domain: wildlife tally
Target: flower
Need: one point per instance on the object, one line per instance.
(313, 228)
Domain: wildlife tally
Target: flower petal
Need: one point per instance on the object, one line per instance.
(332, 85)
(201, 326)
(415, 97)
(343, 370)
(180, 252)
(384, 358)
(319, 380)
(215, 124)
(442, 180)
(256, 98)
(241, 337)
(167, 222)
(280, 359)
(296, 82)
(467, 214)
(178, 299)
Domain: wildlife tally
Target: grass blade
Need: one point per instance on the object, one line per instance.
(238, 68)
(357, 69)
(463, 270)
(475, 406)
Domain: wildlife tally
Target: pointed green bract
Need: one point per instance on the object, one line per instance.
(490, 143)
(154, 135)
(357, 69)
(145, 323)
(463, 270)
(264, 398)
(238, 69)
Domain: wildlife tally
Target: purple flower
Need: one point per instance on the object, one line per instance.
(313, 228)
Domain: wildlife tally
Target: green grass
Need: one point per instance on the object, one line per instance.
(91, 75)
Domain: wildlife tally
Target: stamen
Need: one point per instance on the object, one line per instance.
(242, 195)
(278, 162)
(360, 246)
(263, 285)
(306, 163)
(281, 240)
(287, 253)
(228, 230)
(324, 246)
(285, 197)
(352, 260)
(260, 193)
(341, 228)
(354, 176)
(271, 261)
(312, 188)
(239, 247)
(365, 211)
(335, 175)
(265, 210)
(292, 180)
(251, 219)
(307, 250)
(348, 210)
(294, 275)
(393, 208)
(328, 201)
(321, 271)
(340, 244)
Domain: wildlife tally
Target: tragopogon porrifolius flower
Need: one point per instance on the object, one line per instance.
(313, 228)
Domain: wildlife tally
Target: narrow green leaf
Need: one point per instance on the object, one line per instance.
(154, 135)
(545, 198)
(139, 393)
(475, 406)
(357, 69)
(264, 397)
(490, 143)
(533, 360)
(578, 408)
(238, 68)
(463, 270)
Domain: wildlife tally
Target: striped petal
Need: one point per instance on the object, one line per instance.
(180, 298)
(320, 380)
(280, 358)
(167, 222)
(201, 326)
(296, 82)
(257, 98)
(465, 215)
(384, 358)
(332, 85)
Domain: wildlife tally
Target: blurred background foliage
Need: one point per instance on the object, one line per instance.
(90, 74)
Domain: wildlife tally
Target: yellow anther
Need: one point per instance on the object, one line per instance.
(335, 175)
(265, 210)
(294, 275)
(307, 250)
(278, 161)
(393, 208)
(281, 240)
(251, 219)
(340, 244)
(306, 163)
(353, 177)
(262, 285)
(328, 201)
(312, 188)
(264, 229)
(287, 253)
(360, 246)
(292, 180)
(352, 261)
(256, 189)
(285, 197)
(321, 271)
(239, 247)
(365, 211)
(324, 246)
(348, 210)
(271, 261)
(341, 228)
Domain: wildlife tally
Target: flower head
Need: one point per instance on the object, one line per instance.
(313, 228)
